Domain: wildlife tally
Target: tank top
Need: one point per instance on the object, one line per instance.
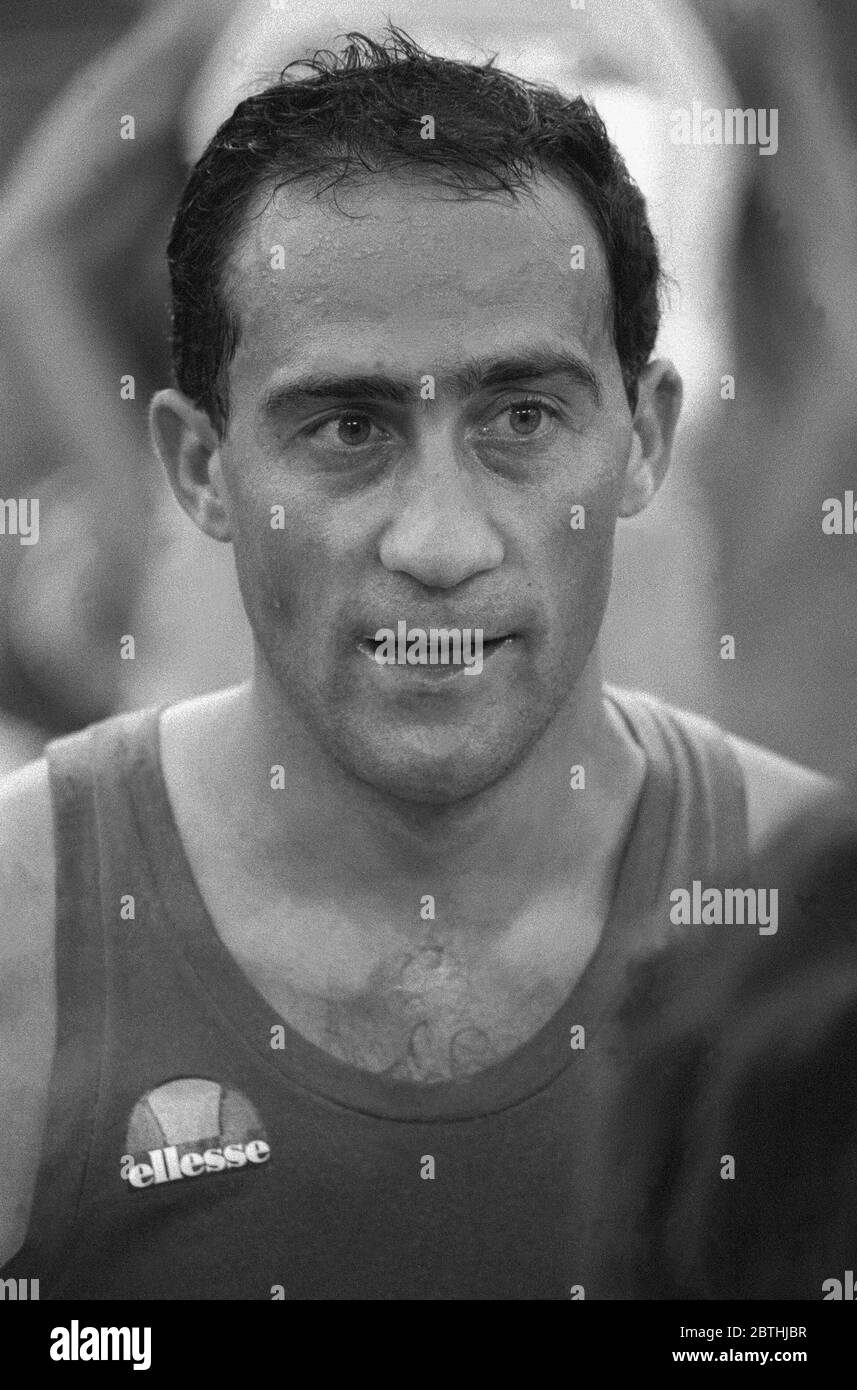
(198, 1147)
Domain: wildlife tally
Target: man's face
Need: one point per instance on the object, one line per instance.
(451, 512)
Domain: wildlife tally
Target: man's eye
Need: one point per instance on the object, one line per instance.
(349, 430)
(525, 419)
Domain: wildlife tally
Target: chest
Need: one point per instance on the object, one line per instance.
(362, 977)
(424, 1011)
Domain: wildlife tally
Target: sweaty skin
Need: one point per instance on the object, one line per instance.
(391, 791)
(431, 520)
(446, 507)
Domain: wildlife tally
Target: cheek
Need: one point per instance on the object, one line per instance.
(585, 520)
(579, 556)
(587, 471)
(268, 547)
(288, 563)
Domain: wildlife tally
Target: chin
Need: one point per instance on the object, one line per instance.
(423, 773)
(431, 786)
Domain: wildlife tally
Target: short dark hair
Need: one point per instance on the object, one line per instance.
(358, 113)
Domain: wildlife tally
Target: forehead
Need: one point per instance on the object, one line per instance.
(406, 273)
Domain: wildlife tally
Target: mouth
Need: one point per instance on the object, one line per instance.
(490, 647)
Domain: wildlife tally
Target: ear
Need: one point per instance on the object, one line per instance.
(188, 446)
(659, 396)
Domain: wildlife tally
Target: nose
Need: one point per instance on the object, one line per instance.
(440, 534)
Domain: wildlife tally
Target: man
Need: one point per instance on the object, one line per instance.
(341, 954)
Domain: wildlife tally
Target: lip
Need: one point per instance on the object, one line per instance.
(431, 672)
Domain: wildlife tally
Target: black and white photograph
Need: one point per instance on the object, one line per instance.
(428, 665)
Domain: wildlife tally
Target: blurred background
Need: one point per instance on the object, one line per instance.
(762, 251)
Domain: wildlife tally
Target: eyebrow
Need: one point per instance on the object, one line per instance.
(473, 375)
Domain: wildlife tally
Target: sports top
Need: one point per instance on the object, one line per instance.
(198, 1147)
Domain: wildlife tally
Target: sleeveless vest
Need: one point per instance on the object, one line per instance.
(187, 1158)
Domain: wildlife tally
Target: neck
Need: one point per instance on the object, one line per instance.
(508, 838)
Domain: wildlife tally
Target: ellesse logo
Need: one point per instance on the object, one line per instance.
(189, 1128)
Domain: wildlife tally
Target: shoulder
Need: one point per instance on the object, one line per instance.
(778, 790)
(27, 997)
(26, 840)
